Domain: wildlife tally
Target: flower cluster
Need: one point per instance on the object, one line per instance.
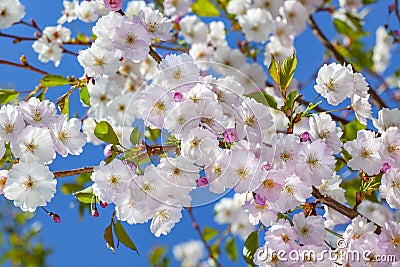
(119, 37)
(35, 132)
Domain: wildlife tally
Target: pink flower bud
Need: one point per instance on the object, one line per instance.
(55, 217)
(392, 7)
(113, 5)
(396, 33)
(178, 97)
(304, 137)
(259, 200)
(202, 182)
(95, 212)
(107, 150)
(231, 135)
(103, 204)
(266, 166)
(385, 167)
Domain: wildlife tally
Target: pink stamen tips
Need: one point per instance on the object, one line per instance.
(304, 137)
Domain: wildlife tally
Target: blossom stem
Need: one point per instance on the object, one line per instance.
(18, 38)
(346, 211)
(155, 55)
(60, 174)
(199, 232)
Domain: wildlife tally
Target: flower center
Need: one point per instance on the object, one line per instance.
(365, 153)
(195, 143)
(29, 183)
(313, 162)
(268, 183)
(159, 107)
(131, 39)
(3, 181)
(286, 156)
(217, 170)
(242, 173)
(37, 115)
(31, 147)
(305, 230)
(289, 190)
(330, 85)
(285, 238)
(163, 214)
(114, 179)
(8, 128)
(63, 136)
(324, 134)
(249, 121)
(176, 171)
(121, 108)
(99, 62)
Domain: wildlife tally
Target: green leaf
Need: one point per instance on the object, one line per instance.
(264, 98)
(156, 255)
(152, 134)
(108, 236)
(123, 236)
(51, 80)
(351, 187)
(7, 95)
(135, 136)
(205, 8)
(231, 250)
(351, 129)
(209, 233)
(84, 95)
(63, 104)
(114, 151)
(69, 188)
(274, 70)
(215, 251)
(250, 247)
(291, 98)
(85, 196)
(105, 133)
(287, 71)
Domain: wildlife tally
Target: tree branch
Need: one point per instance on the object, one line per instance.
(23, 66)
(154, 55)
(60, 174)
(346, 211)
(339, 57)
(199, 232)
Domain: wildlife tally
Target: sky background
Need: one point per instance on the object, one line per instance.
(80, 243)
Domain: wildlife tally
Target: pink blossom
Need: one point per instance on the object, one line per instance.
(113, 5)
(231, 135)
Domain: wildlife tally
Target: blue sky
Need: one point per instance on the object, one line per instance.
(76, 243)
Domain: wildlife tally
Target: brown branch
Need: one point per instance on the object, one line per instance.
(199, 232)
(396, 3)
(18, 38)
(60, 174)
(154, 55)
(340, 58)
(23, 66)
(339, 207)
(179, 49)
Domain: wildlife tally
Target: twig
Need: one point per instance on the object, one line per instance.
(179, 49)
(346, 211)
(319, 109)
(154, 55)
(339, 57)
(18, 38)
(23, 66)
(60, 174)
(396, 3)
(199, 232)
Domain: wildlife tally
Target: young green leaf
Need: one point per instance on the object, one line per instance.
(209, 233)
(108, 236)
(105, 133)
(7, 95)
(51, 80)
(204, 8)
(291, 98)
(351, 129)
(123, 236)
(84, 95)
(63, 104)
(250, 247)
(156, 255)
(264, 98)
(287, 71)
(85, 196)
(274, 70)
(231, 250)
(135, 136)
